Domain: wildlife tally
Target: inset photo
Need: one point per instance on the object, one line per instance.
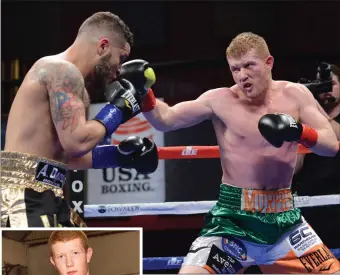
(72, 252)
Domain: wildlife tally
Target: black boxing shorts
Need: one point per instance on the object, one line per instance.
(32, 194)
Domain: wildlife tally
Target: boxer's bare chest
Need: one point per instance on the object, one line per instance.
(238, 120)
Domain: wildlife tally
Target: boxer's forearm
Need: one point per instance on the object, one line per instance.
(85, 138)
(158, 117)
(327, 144)
(103, 156)
(182, 115)
(81, 163)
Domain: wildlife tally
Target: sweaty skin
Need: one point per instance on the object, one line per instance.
(48, 114)
(52, 92)
(247, 159)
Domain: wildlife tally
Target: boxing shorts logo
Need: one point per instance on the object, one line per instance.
(235, 248)
(303, 239)
(265, 201)
(321, 259)
(50, 174)
(221, 263)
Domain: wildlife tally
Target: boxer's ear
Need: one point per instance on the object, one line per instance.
(52, 261)
(103, 46)
(269, 62)
(89, 253)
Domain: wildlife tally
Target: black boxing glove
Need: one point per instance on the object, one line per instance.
(132, 152)
(142, 76)
(278, 128)
(140, 154)
(124, 105)
(139, 73)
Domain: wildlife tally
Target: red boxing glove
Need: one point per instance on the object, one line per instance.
(148, 101)
(309, 136)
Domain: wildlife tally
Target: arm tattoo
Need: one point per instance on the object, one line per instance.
(64, 109)
(66, 89)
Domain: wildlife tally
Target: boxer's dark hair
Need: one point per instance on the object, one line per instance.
(110, 22)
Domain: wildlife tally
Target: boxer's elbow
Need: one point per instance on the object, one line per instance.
(330, 150)
(79, 146)
(162, 127)
(76, 150)
(80, 163)
(335, 148)
(327, 145)
(84, 139)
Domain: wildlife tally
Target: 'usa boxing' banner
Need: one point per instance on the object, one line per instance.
(122, 185)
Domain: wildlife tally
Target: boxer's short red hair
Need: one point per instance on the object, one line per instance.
(65, 236)
(246, 41)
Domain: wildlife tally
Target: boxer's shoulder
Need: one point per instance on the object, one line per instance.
(289, 87)
(50, 69)
(216, 96)
(295, 91)
(219, 93)
(55, 65)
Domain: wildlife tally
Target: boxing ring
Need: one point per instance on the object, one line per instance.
(187, 212)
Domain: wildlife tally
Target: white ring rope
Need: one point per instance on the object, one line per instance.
(186, 208)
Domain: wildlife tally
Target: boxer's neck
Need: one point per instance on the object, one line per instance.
(265, 97)
(81, 55)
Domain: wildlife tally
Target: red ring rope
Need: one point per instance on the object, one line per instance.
(199, 152)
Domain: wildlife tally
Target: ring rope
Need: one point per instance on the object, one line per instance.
(197, 152)
(161, 263)
(187, 208)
